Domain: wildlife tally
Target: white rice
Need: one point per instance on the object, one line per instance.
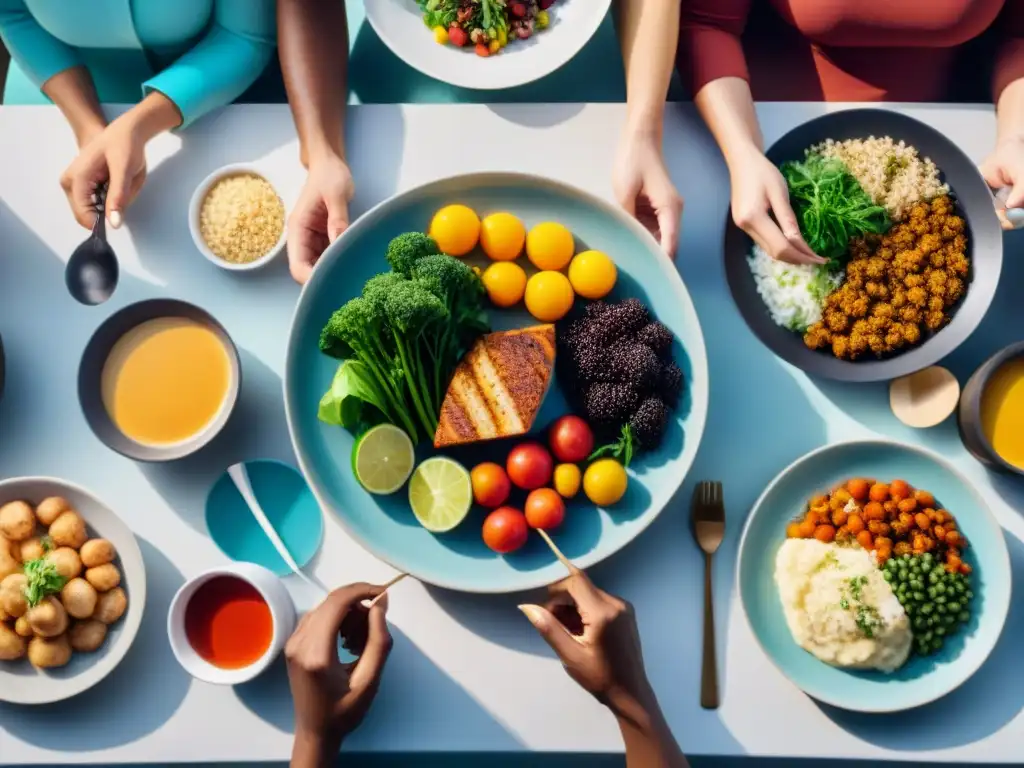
(793, 293)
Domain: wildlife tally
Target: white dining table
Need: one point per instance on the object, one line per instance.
(468, 673)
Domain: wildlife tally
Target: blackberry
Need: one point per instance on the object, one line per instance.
(649, 422)
(656, 336)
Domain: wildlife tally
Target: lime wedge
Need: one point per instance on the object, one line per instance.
(382, 459)
(440, 494)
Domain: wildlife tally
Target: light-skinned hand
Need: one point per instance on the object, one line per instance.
(331, 697)
(595, 636)
(759, 193)
(643, 187)
(1005, 168)
(320, 215)
(116, 156)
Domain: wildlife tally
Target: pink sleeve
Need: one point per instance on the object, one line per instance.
(709, 41)
(1009, 64)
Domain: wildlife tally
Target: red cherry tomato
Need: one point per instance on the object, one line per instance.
(491, 485)
(544, 509)
(571, 439)
(530, 466)
(505, 530)
(457, 35)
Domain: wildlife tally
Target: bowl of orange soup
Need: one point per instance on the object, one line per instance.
(991, 413)
(228, 624)
(159, 380)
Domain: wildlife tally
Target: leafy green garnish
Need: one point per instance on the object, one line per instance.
(43, 580)
(831, 206)
(622, 449)
(353, 401)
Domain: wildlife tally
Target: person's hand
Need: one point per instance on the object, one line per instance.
(758, 193)
(596, 638)
(1005, 168)
(116, 156)
(331, 698)
(320, 215)
(644, 188)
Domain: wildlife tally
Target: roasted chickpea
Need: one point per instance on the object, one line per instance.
(891, 508)
(793, 531)
(879, 492)
(907, 505)
(924, 498)
(855, 523)
(899, 489)
(839, 517)
(874, 511)
(858, 488)
(922, 521)
(825, 533)
(865, 539)
(807, 529)
(878, 528)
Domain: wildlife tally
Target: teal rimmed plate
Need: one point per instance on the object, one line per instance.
(920, 680)
(384, 524)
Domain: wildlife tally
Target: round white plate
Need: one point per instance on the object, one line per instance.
(20, 682)
(399, 23)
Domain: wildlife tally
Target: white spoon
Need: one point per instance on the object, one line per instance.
(240, 477)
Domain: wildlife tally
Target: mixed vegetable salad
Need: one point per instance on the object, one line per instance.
(488, 25)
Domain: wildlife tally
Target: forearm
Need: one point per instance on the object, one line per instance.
(314, 751)
(313, 45)
(154, 115)
(648, 739)
(1010, 112)
(75, 96)
(728, 109)
(648, 35)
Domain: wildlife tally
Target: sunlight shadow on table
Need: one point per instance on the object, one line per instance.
(256, 430)
(137, 698)
(957, 719)
(415, 695)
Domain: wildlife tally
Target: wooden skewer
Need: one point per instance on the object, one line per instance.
(387, 586)
(558, 553)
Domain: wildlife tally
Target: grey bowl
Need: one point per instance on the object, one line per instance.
(98, 350)
(974, 203)
(968, 415)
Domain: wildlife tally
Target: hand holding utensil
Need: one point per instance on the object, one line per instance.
(92, 271)
(708, 519)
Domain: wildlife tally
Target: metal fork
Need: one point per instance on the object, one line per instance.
(708, 522)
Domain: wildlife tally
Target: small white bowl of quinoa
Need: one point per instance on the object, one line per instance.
(237, 218)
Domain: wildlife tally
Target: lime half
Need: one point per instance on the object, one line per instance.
(383, 458)
(440, 494)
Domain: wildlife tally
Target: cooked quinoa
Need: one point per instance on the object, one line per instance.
(892, 173)
(241, 218)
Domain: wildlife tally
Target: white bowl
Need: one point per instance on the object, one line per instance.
(282, 611)
(399, 23)
(196, 204)
(20, 682)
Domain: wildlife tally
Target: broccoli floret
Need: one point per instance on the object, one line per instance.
(405, 250)
(656, 336)
(670, 383)
(648, 422)
(608, 404)
(635, 364)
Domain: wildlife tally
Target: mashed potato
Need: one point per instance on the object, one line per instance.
(839, 607)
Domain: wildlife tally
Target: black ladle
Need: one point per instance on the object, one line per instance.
(92, 271)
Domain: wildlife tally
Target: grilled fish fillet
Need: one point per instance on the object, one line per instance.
(498, 387)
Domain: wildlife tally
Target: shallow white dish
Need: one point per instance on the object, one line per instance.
(399, 23)
(282, 611)
(196, 203)
(20, 682)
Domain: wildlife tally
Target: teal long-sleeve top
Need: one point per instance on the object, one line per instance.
(201, 54)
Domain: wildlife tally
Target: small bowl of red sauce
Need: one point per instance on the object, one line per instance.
(228, 624)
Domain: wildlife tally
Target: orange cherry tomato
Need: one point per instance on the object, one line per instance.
(571, 439)
(544, 509)
(491, 485)
(530, 466)
(505, 530)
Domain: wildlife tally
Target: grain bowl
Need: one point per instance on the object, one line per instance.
(237, 218)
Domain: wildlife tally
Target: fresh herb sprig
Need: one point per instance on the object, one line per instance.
(621, 450)
(831, 206)
(43, 580)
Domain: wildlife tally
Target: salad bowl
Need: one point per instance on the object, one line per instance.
(385, 525)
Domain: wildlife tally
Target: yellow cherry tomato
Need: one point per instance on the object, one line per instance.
(456, 229)
(592, 274)
(505, 282)
(502, 236)
(494, 46)
(605, 482)
(440, 35)
(549, 296)
(542, 20)
(567, 480)
(550, 246)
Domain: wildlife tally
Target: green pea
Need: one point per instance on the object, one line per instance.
(906, 558)
(969, 595)
(927, 608)
(941, 609)
(931, 621)
(926, 567)
(954, 607)
(940, 600)
(960, 588)
(949, 619)
(928, 636)
(919, 596)
(934, 577)
(963, 617)
(940, 589)
(940, 631)
(927, 558)
(904, 574)
(887, 575)
(937, 645)
(919, 624)
(932, 593)
(917, 584)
